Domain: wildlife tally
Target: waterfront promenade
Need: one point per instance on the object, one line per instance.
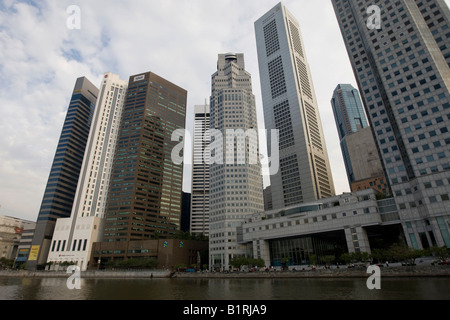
(342, 272)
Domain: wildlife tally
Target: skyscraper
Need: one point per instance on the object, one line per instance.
(400, 56)
(360, 153)
(200, 172)
(290, 106)
(348, 110)
(62, 182)
(145, 195)
(236, 188)
(73, 236)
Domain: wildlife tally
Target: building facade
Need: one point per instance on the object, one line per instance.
(348, 110)
(400, 57)
(145, 195)
(169, 253)
(290, 105)
(236, 187)
(360, 153)
(199, 222)
(65, 171)
(24, 248)
(11, 232)
(73, 236)
(351, 222)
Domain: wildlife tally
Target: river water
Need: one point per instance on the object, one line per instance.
(225, 289)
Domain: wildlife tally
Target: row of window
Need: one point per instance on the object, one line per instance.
(77, 245)
(322, 218)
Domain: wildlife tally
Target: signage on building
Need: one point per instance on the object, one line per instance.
(34, 253)
(139, 78)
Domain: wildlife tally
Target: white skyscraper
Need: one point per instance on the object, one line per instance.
(236, 188)
(200, 173)
(74, 236)
(290, 106)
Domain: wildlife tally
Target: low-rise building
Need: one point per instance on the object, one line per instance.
(169, 253)
(25, 243)
(351, 222)
(11, 230)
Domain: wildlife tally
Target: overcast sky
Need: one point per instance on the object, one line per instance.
(40, 59)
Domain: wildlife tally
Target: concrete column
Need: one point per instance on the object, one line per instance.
(349, 238)
(363, 240)
(356, 237)
(437, 232)
(264, 251)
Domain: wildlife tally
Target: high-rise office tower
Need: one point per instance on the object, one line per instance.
(145, 195)
(400, 55)
(348, 110)
(360, 153)
(236, 188)
(290, 106)
(62, 182)
(73, 236)
(199, 222)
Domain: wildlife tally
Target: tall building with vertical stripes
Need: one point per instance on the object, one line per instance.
(199, 219)
(73, 236)
(400, 55)
(290, 105)
(65, 171)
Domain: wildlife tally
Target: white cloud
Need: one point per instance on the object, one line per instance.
(40, 59)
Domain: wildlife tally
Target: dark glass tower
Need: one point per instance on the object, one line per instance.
(62, 182)
(145, 195)
(350, 118)
(348, 110)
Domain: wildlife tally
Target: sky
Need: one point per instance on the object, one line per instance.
(41, 58)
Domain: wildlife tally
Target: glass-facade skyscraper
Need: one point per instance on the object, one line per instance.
(290, 105)
(348, 110)
(145, 194)
(350, 118)
(359, 151)
(402, 69)
(65, 171)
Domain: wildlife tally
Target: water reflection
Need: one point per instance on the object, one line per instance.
(224, 289)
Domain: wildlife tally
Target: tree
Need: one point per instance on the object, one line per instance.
(313, 259)
(440, 252)
(346, 257)
(137, 263)
(365, 256)
(6, 263)
(328, 259)
(379, 255)
(239, 261)
(405, 254)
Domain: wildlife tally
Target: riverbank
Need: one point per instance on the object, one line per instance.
(357, 272)
(95, 274)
